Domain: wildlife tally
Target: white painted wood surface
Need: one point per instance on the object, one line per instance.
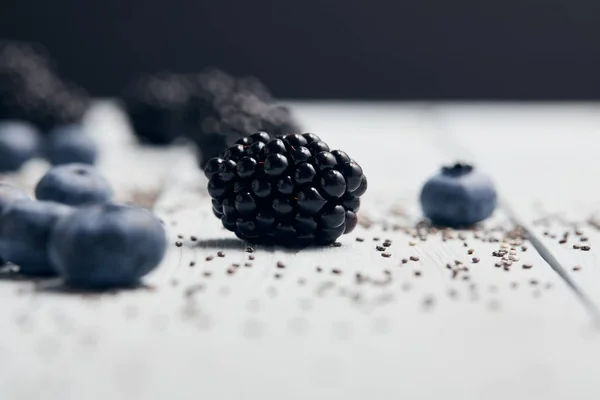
(520, 334)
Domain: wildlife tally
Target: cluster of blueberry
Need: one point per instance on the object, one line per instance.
(211, 108)
(40, 113)
(21, 141)
(74, 230)
(290, 190)
(32, 91)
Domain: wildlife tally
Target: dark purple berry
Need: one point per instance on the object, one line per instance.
(333, 183)
(311, 137)
(290, 191)
(294, 140)
(300, 154)
(275, 146)
(261, 188)
(212, 167)
(305, 173)
(341, 156)
(353, 173)
(324, 160)
(317, 147)
(275, 164)
(246, 167)
(227, 170)
(262, 137)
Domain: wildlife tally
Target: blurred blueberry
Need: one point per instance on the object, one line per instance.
(8, 195)
(19, 142)
(25, 228)
(75, 185)
(458, 196)
(70, 144)
(107, 246)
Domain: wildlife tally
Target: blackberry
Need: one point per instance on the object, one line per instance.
(276, 190)
(156, 106)
(212, 108)
(32, 91)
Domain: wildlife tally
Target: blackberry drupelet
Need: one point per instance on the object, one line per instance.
(288, 190)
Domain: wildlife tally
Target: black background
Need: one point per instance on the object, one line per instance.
(382, 49)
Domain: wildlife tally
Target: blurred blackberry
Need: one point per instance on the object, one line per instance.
(31, 90)
(289, 190)
(157, 107)
(224, 109)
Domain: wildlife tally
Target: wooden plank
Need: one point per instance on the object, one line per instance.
(545, 161)
(204, 332)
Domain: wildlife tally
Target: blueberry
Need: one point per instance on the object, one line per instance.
(458, 196)
(25, 228)
(8, 195)
(70, 144)
(75, 185)
(19, 142)
(107, 246)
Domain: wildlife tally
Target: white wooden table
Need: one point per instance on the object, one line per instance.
(211, 327)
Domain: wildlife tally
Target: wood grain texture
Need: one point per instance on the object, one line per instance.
(311, 329)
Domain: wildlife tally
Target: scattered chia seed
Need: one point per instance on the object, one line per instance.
(235, 265)
(475, 260)
(404, 261)
(178, 243)
(193, 238)
(220, 254)
(449, 266)
(583, 239)
(387, 243)
(417, 273)
(376, 239)
(192, 263)
(250, 257)
(319, 269)
(277, 276)
(280, 265)
(336, 244)
(465, 244)
(414, 258)
(523, 248)
(527, 266)
(336, 271)
(386, 255)
(230, 271)
(576, 246)
(379, 248)
(533, 282)
(179, 236)
(207, 273)
(585, 248)
(359, 239)
(249, 249)
(247, 264)
(562, 241)
(209, 258)
(498, 265)
(576, 268)
(470, 251)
